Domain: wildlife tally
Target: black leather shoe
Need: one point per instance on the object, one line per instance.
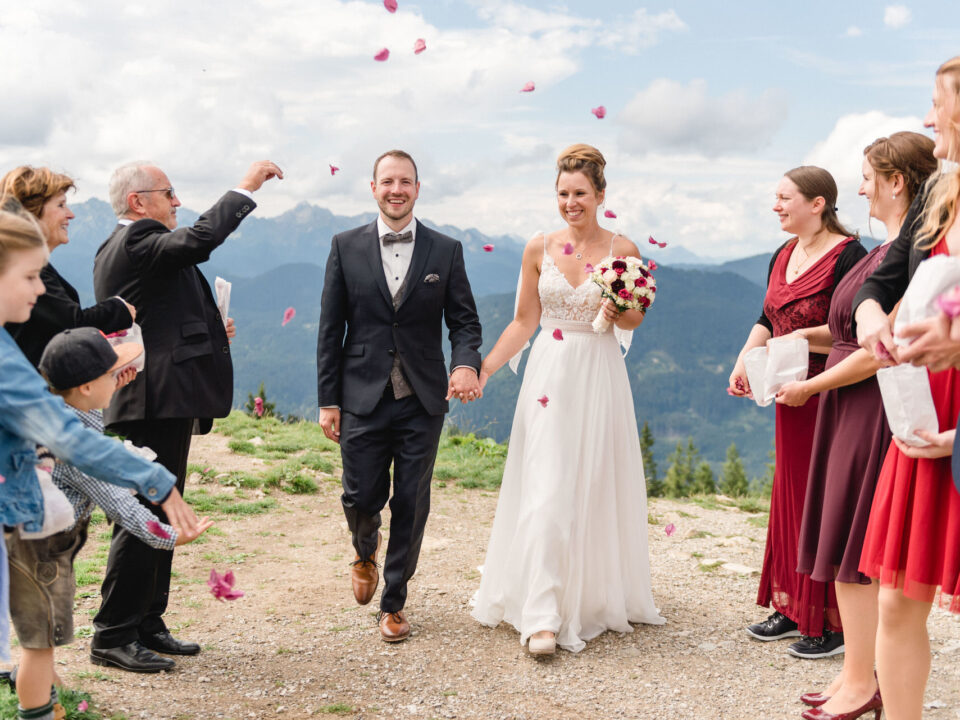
(164, 642)
(133, 657)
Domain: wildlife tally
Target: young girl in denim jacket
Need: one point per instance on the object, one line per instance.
(31, 416)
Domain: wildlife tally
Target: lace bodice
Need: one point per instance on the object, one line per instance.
(560, 300)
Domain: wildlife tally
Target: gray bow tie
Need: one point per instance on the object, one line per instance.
(391, 238)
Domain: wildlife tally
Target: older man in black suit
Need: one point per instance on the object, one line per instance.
(382, 383)
(188, 381)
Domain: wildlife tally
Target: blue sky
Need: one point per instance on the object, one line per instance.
(708, 103)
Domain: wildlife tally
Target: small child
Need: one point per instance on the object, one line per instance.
(80, 366)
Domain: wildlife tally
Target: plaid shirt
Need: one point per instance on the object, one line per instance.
(84, 492)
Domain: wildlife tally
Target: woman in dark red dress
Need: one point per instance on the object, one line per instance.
(912, 545)
(852, 435)
(803, 275)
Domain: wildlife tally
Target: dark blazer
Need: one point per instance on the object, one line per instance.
(189, 372)
(59, 309)
(360, 332)
(889, 281)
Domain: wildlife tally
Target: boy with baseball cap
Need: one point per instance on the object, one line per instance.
(83, 368)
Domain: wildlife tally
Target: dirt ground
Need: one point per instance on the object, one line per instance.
(297, 645)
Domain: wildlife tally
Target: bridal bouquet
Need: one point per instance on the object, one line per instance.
(627, 283)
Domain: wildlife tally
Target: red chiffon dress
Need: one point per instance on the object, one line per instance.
(913, 536)
(803, 303)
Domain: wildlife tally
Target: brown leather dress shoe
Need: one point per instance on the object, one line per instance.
(364, 575)
(394, 626)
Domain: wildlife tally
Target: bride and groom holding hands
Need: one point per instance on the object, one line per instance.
(567, 557)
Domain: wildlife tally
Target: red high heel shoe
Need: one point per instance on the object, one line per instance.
(814, 699)
(875, 703)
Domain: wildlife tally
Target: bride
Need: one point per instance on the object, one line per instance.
(568, 557)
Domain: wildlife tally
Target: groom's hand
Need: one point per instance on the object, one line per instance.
(464, 385)
(330, 422)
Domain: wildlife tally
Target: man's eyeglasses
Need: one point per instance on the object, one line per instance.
(168, 190)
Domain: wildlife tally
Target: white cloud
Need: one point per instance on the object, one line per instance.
(841, 153)
(670, 116)
(854, 31)
(896, 16)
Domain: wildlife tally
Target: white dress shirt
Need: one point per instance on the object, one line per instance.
(396, 256)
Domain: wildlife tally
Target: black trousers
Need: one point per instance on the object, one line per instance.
(136, 585)
(403, 433)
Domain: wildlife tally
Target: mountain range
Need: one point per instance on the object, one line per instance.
(678, 364)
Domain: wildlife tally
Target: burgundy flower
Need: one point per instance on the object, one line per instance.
(617, 285)
(645, 302)
(619, 267)
(641, 282)
(625, 294)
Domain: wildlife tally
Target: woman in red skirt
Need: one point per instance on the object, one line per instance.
(912, 545)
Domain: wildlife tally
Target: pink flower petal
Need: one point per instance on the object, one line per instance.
(609, 214)
(600, 112)
(288, 315)
(588, 268)
(558, 334)
(670, 529)
(82, 706)
(119, 333)
(156, 528)
(334, 169)
(206, 470)
(488, 248)
(731, 392)
(2, 479)
(949, 302)
(883, 352)
(390, 5)
(652, 265)
(529, 87)
(652, 241)
(543, 400)
(221, 586)
(568, 249)
(419, 46)
(258, 406)
(382, 55)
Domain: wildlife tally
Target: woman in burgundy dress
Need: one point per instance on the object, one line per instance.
(852, 435)
(912, 545)
(804, 272)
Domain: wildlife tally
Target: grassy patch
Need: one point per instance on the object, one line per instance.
(205, 503)
(89, 570)
(707, 502)
(712, 566)
(336, 709)
(280, 440)
(470, 461)
(70, 699)
(752, 504)
(759, 521)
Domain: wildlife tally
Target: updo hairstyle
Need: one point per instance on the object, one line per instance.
(908, 154)
(586, 159)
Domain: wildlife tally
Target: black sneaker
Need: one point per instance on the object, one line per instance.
(775, 627)
(813, 648)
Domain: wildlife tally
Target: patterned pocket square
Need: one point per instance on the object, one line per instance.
(432, 278)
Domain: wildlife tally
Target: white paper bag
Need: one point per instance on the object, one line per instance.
(222, 288)
(784, 360)
(57, 510)
(908, 402)
(132, 334)
(934, 276)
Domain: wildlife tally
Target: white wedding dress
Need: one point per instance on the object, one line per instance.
(568, 551)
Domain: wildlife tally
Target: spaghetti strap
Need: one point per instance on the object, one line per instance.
(615, 236)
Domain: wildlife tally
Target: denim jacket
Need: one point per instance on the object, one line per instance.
(29, 416)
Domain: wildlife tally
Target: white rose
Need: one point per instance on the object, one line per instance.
(609, 276)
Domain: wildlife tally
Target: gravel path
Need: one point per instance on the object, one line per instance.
(297, 645)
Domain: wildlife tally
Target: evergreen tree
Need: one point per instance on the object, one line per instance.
(654, 484)
(680, 475)
(703, 481)
(734, 480)
(764, 483)
(251, 405)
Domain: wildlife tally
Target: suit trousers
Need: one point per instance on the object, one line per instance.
(136, 585)
(403, 433)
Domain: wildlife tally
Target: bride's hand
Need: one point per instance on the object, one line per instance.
(484, 376)
(610, 311)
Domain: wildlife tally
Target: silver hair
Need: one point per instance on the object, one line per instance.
(126, 179)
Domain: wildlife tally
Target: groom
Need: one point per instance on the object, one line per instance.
(383, 389)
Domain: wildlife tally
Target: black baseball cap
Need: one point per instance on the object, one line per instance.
(79, 355)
